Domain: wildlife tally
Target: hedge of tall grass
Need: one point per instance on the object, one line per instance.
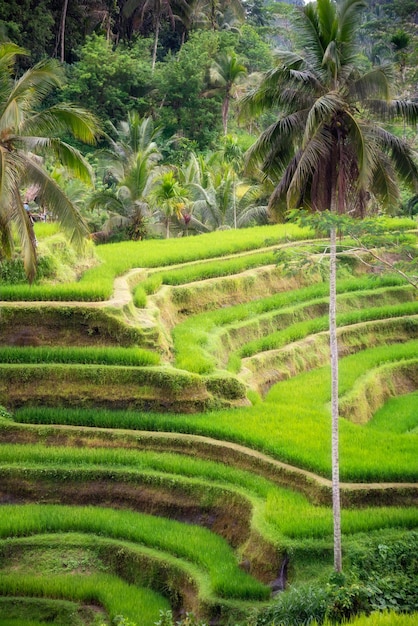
(117, 597)
(292, 424)
(181, 583)
(300, 330)
(74, 324)
(291, 514)
(117, 258)
(192, 338)
(397, 415)
(40, 611)
(57, 354)
(192, 543)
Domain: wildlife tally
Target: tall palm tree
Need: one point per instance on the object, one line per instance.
(221, 9)
(130, 166)
(155, 8)
(224, 73)
(28, 131)
(326, 151)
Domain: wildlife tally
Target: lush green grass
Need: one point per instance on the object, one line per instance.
(105, 356)
(158, 253)
(40, 611)
(192, 543)
(300, 330)
(288, 512)
(212, 269)
(92, 291)
(283, 425)
(398, 415)
(117, 597)
(117, 258)
(198, 337)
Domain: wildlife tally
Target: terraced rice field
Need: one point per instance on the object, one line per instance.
(168, 447)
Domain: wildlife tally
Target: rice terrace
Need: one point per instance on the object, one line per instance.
(165, 438)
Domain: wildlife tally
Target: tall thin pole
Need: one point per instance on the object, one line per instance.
(336, 503)
(62, 29)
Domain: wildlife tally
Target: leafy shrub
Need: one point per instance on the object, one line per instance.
(166, 619)
(12, 271)
(300, 606)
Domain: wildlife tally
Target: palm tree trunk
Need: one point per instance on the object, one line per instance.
(62, 29)
(225, 110)
(336, 504)
(154, 52)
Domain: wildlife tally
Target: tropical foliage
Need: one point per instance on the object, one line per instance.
(28, 132)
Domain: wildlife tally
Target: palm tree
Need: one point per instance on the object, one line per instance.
(169, 198)
(155, 8)
(28, 131)
(130, 166)
(225, 72)
(219, 10)
(326, 150)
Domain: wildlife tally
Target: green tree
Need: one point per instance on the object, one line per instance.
(156, 9)
(326, 150)
(169, 199)
(181, 110)
(30, 25)
(111, 81)
(225, 73)
(28, 131)
(130, 166)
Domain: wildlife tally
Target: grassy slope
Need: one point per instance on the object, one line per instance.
(291, 423)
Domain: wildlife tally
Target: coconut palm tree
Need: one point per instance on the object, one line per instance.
(28, 131)
(169, 199)
(222, 10)
(224, 73)
(326, 150)
(130, 166)
(156, 9)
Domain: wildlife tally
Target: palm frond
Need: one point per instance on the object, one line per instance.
(274, 146)
(348, 19)
(34, 85)
(258, 214)
(58, 203)
(326, 10)
(372, 84)
(308, 33)
(108, 201)
(362, 148)
(68, 156)
(316, 151)
(384, 184)
(62, 117)
(323, 110)
(26, 235)
(401, 154)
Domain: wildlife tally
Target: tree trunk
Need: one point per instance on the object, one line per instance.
(225, 111)
(154, 52)
(336, 505)
(62, 29)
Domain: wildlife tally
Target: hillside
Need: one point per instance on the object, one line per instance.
(167, 447)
